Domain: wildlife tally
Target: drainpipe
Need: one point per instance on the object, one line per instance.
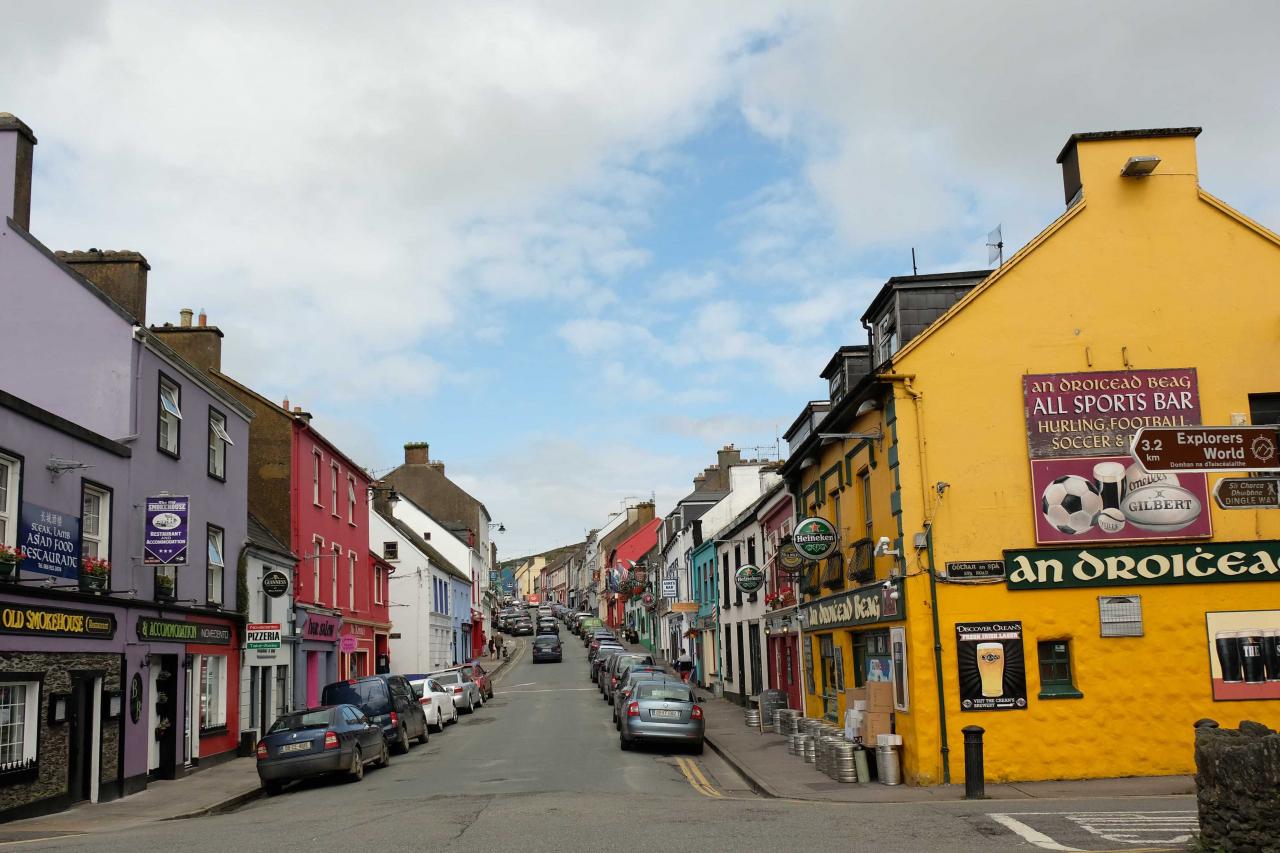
(937, 661)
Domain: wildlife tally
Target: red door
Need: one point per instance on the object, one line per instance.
(784, 668)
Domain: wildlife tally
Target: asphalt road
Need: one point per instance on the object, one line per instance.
(539, 768)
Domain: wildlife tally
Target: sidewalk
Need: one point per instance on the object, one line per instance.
(763, 760)
(218, 788)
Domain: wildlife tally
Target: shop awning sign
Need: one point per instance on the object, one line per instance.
(165, 535)
(175, 631)
(866, 605)
(1142, 565)
(262, 635)
(56, 622)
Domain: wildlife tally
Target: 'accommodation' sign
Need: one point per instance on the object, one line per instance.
(1210, 562)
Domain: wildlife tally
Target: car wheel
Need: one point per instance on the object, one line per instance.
(426, 733)
(623, 743)
(471, 705)
(698, 748)
(402, 741)
(439, 725)
(356, 771)
(384, 755)
(272, 788)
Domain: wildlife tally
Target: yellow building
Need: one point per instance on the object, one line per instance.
(1087, 612)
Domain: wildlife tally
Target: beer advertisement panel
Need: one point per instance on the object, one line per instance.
(1085, 485)
(1244, 654)
(993, 675)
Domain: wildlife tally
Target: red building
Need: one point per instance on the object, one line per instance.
(782, 624)
(629, 552)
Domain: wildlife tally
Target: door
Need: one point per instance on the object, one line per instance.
(264, 698)
(313, 679)
(742, 656)
(80, 709)
(757, 675)
(831, 675)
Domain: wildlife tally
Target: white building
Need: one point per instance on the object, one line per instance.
(266, 675)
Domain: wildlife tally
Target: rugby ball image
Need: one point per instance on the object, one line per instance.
(1071, 504)
(1138, 477)
(1160, 507)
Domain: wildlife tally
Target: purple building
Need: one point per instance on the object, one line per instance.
(123, 479)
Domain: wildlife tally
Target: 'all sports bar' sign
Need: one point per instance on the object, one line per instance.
(1209, 562)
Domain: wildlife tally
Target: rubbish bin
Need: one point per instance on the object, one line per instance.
(887, 765)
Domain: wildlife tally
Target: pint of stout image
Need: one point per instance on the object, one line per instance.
(1109, 477)
(991, 669)
(1227, 644)
(1271, 653)
(1251, 659)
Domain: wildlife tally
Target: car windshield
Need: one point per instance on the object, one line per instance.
(666, 692)
(358, 693)
(296, 722)
(448, 677)
(546, 640)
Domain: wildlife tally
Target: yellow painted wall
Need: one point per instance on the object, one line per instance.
(1148, 270)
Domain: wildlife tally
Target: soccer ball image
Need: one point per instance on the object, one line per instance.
(1071, 504)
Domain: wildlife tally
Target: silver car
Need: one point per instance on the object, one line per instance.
(661, 712)
(465, 692)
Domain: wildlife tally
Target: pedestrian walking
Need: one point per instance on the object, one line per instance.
(685, 665)
(491, 647)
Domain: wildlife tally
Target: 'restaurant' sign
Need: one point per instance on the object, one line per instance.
(1209, 562)
(174, 631)
(262, 635)
(165, 535)
(50, 542)
(56, 622)
(862, 606)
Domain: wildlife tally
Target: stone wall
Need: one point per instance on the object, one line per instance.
(1238, 788)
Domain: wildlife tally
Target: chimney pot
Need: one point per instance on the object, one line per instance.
(204, 319)
(185, 314)
(297, 410)
(285, 406)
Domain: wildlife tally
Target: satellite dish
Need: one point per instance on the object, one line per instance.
(995, 247)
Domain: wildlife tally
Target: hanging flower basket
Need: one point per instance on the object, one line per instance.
(95, 574)
(9, 559)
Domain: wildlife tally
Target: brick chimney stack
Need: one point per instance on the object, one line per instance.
(121, 275)
(417, 453)
(17, 149)
(201, 345)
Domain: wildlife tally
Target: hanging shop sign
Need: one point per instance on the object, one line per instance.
(975, 571)
(684, 606)
(275, 583)
(865, 605)
(164, 541)
(348, 644)
(749, 578)
(262, 635)
(49, 541)
(321, 628)
(135, 697)
(815, 537)
(1247, 493)
(993, 674)
(670, 587)
(648, 600)
(56, 622)
(789, 558)
(1135, 565)
(1244, 654)
(1085, 484)
(1207, 448)
(174, 631)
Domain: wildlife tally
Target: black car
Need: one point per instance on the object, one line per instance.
(547, 647)
(387, 700)
(548, 626)
(522, 626)
(318, 741)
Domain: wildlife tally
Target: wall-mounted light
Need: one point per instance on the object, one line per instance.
(1140, 166)
(391, 495)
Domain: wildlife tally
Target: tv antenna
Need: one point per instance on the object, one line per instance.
(995, 247)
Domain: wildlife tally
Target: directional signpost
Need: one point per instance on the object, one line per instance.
(1244, 449)
(1248, 493)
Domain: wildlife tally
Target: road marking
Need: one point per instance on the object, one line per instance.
(1169, 827)
(548, 690)
(1028, 834)
(693, 775)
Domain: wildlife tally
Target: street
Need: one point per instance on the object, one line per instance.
(538, 768)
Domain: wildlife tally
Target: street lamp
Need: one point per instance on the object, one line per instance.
(392, 496)
(502, 528)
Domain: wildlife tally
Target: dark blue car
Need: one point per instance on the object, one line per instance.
(319, 741)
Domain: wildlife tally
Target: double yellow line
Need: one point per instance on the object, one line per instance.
(694, 776)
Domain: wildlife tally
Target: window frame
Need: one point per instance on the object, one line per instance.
(317, 462)
(32, 723)
(377, 584)
(218, 436)
(317, 548)
(391, 551)
(1056, 687)
(352, 560)
(220, 683)
(162, 413)
(334, 475)
(106, 495)
(209, 564)
(351, 500)
(335, 556)
(13, 494)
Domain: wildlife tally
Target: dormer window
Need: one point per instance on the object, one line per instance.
(886, 338)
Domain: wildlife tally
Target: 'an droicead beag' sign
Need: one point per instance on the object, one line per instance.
(1209, 562)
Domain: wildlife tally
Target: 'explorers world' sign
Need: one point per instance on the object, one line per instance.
(1210, 562)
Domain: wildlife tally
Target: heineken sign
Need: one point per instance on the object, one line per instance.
(1209, 562)
(749, 578)
(815, 537)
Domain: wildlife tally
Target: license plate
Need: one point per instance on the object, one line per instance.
(295, 747)
(659, 712)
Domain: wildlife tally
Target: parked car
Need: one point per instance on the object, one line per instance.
(595, 634)
(389, 701)
(436, 702)
(611, 677)
(634, 677)
(661, 711)
(593, 645)
(546, 647)
(318, 741)
(548, 626)
(465, 692)
(522, 626)
(588, 623)
(477, 673)
(600, 665)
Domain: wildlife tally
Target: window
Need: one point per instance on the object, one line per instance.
(168, 439)
(317, 546)
(333, 579)
(282, 690)
(95, 522)
(315, 478)
(864, 483)
(1055, 670)
(1264, 408)
(213, 692)
(351, 580)
(737, 564)
(378, 575)
(219, 440)
(217, 566)
(391, 551)
(10, 469)
(1120, 615)
(886, 338)
(351, 500)
(728, 654)
(333, 488)
(19, 724)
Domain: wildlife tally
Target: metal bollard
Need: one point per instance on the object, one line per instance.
(974, 781)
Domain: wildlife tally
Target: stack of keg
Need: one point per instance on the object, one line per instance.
(786, 721)
(841, 763)
(752, 718)
(795, 743)
(809, 746)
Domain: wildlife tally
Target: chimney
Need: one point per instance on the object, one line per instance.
(438, 465)
(285, 404)
(727, 456)
(17, 146)
(699, 481)
(301, 415)
(1095, 164)
(201, 345)
(121, 275)
(417, 453)
(204, 319)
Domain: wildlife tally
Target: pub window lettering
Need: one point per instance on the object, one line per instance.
(170, 416)
(10, 470)
(1055, 670)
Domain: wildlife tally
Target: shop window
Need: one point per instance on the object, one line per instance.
(832, 674)
(19, 726)
(1055, 670)
(871, 659)
(315, 478)
(216, 567)
(1120, 615)
(169, 415)
(1264, 408)
(213, 692)
(95, 522)
(219, 441)
(10, 470)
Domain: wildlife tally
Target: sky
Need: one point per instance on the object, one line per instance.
(578, 247)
